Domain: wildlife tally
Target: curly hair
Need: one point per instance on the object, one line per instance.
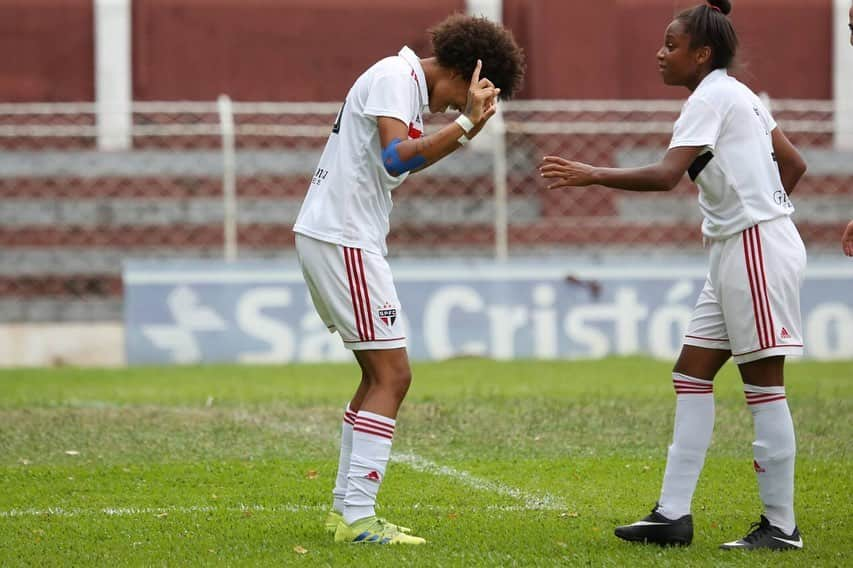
(460, 40)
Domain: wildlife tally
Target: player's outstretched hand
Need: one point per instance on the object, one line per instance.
(563, 173)
(482, 97)
(847, 239)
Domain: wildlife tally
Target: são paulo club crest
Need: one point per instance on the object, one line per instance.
(388, 314)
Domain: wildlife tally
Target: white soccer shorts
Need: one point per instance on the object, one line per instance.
(354, 294)
(750, 304)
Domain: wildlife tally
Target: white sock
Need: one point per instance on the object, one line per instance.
(340, 489)
(694, 424)
(371, 448)
(775, 450)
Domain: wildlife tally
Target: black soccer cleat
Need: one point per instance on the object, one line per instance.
(657, 529)
(764, 535)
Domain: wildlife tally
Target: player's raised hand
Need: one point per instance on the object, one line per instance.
(847, 239)
(564, 173)
(482, 97)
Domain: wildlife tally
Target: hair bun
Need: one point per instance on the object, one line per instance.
(725, 6)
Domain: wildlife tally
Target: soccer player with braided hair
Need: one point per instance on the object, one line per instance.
(749, 309)
(376, 142)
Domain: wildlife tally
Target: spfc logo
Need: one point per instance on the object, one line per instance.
(388, 314)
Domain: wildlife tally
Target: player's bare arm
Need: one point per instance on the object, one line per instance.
(402, 155)
(790, 162)
(662, 176)
(847, 239)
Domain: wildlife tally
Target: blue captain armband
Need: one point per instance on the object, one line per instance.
(394, 165)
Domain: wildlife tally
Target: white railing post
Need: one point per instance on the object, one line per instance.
(499, 173)
(229, 178)
(491, 9)
(842, 75)
(112, 74)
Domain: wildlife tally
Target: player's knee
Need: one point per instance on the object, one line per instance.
(398, 382)
(403, 381)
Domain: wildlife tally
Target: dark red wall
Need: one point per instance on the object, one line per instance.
(312, 50)
(606, 49)
(46, 50)
(299, 50)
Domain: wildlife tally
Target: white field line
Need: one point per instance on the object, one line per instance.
(285, 508)
(529, 501)
(158, 511)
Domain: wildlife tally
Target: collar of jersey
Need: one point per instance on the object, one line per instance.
(415, 63)
(711, 77)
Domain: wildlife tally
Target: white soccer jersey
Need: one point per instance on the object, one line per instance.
(349, 199)
(737, 174)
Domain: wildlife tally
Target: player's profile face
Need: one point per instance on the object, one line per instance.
(676, 61)
(449, 93)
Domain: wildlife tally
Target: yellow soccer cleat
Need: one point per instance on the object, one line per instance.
(333, 518)
(373, 530)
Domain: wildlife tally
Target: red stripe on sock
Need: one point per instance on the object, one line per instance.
(683, 386)
(373, 421)
(691, 385)
(361, 424)
(359, 428)
(751, 402)
(753, 394)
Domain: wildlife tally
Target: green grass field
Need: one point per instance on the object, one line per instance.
(495, 464)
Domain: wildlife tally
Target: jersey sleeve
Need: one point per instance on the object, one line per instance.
(698, 125)
(766, 116)
(391, 94)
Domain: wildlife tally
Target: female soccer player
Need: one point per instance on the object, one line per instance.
(847, 235)
(749, 308)
(377, 140)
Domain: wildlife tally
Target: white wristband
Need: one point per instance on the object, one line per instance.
(464, 122)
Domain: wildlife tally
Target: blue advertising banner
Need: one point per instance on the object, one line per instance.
(260, 311)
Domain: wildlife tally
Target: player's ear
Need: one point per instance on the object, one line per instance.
(703, 55)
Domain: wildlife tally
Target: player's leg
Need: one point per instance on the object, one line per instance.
(373, 433)
(373, 429)
(692, 379)
(335, 516)
(670, 522)
(371, 325)
(339, 492)
(706, 349)
(320, 262)
(774, 453)
(773, 258)
(337, 285)
(704, 352)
